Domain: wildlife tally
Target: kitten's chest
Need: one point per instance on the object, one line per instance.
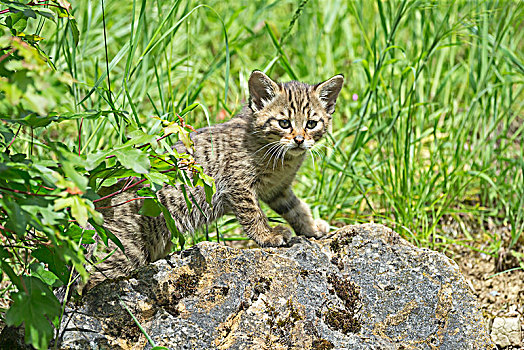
(271, 181)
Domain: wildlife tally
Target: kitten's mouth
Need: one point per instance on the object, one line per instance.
(297, 150)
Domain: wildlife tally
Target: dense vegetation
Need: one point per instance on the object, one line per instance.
(428, 127)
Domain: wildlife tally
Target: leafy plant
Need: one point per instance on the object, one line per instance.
(48, 200)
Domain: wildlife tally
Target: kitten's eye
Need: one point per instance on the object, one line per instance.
(311, 124)
(284, 123)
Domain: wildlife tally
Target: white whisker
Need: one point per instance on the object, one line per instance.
(312, 157)
(287, 148)
(267, 145)
(318, 152)
(279, 154)
(284, 155)
(318, 145)
(271, 151)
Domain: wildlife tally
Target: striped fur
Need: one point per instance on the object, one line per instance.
(252, 157)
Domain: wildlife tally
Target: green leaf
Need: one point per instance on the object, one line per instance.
(45, 276)
(78, 179)
(17, 219)
(94, 159)
(146, 192)
(7, 269)
(74, 32)
(183, 134)
(209, 186)
(104, 233)
(56, 258)
(170, 222)
(80, 209)
(45, 12)
(150, 208)
(16, 7)
(34, 120)
(51, 256)
(138, 137)
(157, 179)
(186, 140)
(78, 234)
(6, 134)
(65, 5)
(74, 256)
(209, 193)
(133, 158)
(16, 22)
(189, 109)
(89, 114)
(186, 198)
(34, 305)
(48, 215)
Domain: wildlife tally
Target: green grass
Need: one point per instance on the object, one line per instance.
(428, 126)
(428, 130)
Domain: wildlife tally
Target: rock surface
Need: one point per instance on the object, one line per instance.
(363, 288)
(506, 331)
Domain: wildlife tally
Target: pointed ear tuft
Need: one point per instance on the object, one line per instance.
(328, 92)
(262, 90)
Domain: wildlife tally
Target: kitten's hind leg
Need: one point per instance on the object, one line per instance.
(297, 214)
(113, 265)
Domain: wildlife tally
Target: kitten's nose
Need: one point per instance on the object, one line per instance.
(299, 139)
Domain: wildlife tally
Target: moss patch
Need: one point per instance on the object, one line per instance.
(262, 285)
(322, 344)
(123, 326)
(185, 286)
(282, 326)
(288, 321)
(338, 243)
(292, 317)
(346, 290)
(344, 320)
(171, 292)
(337, 262)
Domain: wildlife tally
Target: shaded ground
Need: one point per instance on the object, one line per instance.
(499, 294)
(498, 282)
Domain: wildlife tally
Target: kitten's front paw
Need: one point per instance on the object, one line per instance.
(321, 228)
(280, 236)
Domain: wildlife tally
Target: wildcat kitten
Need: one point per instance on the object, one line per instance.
(252, 157)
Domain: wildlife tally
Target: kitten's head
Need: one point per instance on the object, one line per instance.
(292, 115)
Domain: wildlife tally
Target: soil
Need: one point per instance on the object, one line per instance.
(497, 281)
(499, 294)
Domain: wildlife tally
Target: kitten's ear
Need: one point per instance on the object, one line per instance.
(261, 90)
(328, 92)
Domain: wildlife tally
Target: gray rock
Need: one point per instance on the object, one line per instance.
(363, 288)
